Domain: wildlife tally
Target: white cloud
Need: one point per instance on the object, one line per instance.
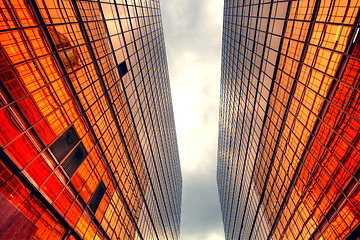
(195, 98)
(214, 9)
(216, 237)
(193, 42)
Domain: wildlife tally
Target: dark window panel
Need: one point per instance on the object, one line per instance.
(97, 196)
(122, 69)
(73, 162)
(64, 143)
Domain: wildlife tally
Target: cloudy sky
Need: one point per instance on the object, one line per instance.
(193, 43)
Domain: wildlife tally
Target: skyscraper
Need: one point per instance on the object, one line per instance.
(289, 153)
(87, 134)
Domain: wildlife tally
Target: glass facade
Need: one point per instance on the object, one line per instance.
(289, 129)
(87, 134)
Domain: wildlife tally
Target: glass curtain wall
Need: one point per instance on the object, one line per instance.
(88, 142)
(288, 160)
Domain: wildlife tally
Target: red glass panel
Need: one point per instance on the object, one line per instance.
(38, 170)
(349, 128)
(355, 105)
(63, 202)
(15, 191)
(324, 134)
(71, 237)
(8, 128)
(22, 150)
(29, 109)
(58, 232)
(31, 208)
(45, 224)
(352, 162)
(316, 149)
(45, 132)
(12, 83)
(5, 173)
(73, 214)
(352, 70)
(52, 187)
(332, 116)
(342, 93)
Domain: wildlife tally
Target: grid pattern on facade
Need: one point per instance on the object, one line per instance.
(91, 76)
(288, 158)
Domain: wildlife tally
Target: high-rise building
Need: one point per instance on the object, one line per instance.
(87, 134)
(289, 130)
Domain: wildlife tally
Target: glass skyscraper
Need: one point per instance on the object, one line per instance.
(289, 129)
(87, 134)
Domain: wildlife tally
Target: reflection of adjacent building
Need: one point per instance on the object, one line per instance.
(288, 160)
(84, 154)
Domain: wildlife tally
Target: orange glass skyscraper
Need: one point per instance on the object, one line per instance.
(289, 131)
(87, 135)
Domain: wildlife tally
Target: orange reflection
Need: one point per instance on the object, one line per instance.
(332, 159)
(41, 108)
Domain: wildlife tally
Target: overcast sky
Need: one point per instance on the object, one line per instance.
(193, 31)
